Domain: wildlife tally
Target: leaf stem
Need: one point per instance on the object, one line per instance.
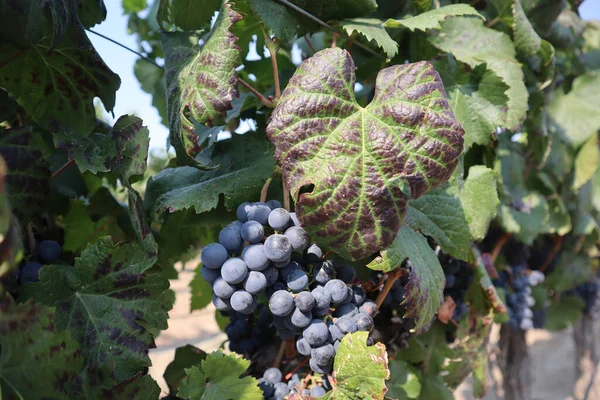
(493, 22)
(265, 190)
(266, 102)
(292, 372)
(286, 195)
(310, 43)
(63, 168)
(272, 46)
(280, 354)
(498, 246)
(392, 277)
(143, 57)
(331, 28)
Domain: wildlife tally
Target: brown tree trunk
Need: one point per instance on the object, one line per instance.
(586, 355)
(515, 364)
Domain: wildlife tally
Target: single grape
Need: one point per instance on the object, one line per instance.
(221, 304)
(294, 219)
(223, 289)
(281, 390)
(346, 310)
(278, 248)
(48, 251)
(369, 307)
(234, 270)
(359, 295)
(305, 392)
(300, 319)
(259, 212)
(288, 269)
(346, 325)
(281, 303)
(323, 355)
(282, 264)
(276, 286)
(314, 254)
(297, 280)
(242, 211)
(267, 387)
(317, 391)
(320, 312)
(349, 296)
(303, 347)
(29, 272)
(236, 224)
(346, 273)
(324, 272)
(450, 280)
(273, 204)
(213, 255)
(526, 324)
(305, 301)
(337, 289)
(335, 332)
(336, 345)
(279, 219)
(255, 258)
(319, 369)
(316, 333)
(272, 274)
(298, 238)
(363, 321)
(230, 238)
(255, 282)
(321, 296)
(210, 275)
(296, 330)
(252, 232)
(273, 375)
(243, 302)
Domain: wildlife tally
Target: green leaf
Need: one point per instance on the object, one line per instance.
(564, 312)
(586, 162)
(361, 161)
(201, 82)
(218, 377)
(67, 76)
(201, 292)
(372, 29)
(80, 229)
(479, 199)
(189, 15)
(439, 214)
(528, 221)
(132, 141)
(359, 370)
(527, 41)
(404, 381)
(433, 387)
(91, 12)
(575, 116)
(477, 97)
(245, 163)
(11, 248)
(185, 357)
(570, 271)
(152, 81)
(110, 304)
(92, 385)
(424, 291)
(91, 153)
(135, 6)
(471, 42)
(28, 178)
(30, 341)
(432, 19)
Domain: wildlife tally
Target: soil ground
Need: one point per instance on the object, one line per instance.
(552, 354)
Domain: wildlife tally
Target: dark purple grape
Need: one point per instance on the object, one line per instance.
(305, 301)
(316, 333)
(48, 251)
(213, 255)
(29, 272)
(278, 248)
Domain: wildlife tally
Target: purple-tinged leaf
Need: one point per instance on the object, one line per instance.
(364, 163)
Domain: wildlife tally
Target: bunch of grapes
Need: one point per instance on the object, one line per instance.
(458, 276)
(517, 283)
(267, 252)
(393, 328)
(246, 332)
(48, 251)
(275, 388)
(588, 292)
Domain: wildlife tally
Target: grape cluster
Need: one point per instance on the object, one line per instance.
(266, 251)
(48, 251)
(588, 292)
(275, 388)
(517, 284)
(458, 276)
(393, 327)
(246, 333)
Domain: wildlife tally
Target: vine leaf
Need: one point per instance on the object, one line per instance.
(424, 290)
(28, 178)
(67, 76)
(201, 292)
(372, 29)
(564, 312)
(201, 82)
(431, 19)
(218, 377)
(477, 97)
(185, 357)
(575, 115)
(189, 15)
(586, 162)
(81, 229)
(404, 382)
(152, 81)
(11, 247)
(30, 341)
(360, 371)
(110, 304)
(361, 161)
(475, 44)
(93, 12)
(244, 163)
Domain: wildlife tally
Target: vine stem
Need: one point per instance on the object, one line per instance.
(265, 190)
(391, 278)
(143, 57)
(266, 102)
(493, 22)
(310, 43)
(331, 28)
(280, 354)
(63, 168)
(272, 47)
(555, 249)
(286, 195)
(499, 245)
(292, 372)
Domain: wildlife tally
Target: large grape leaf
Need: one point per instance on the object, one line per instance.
(245, 163)
(359, 370)
(471, 42)
(218, 377)
(28, 178)
(11, 247)
(38, 360)
(185, 357)
(424, 291)
(110, 303)
(363, 162)
(95, 385)
(575, 116)
(372, 29)
(431, 19)
(201, 81)
(59, 83)
(189, 15)
(93, 12)
(477, 97)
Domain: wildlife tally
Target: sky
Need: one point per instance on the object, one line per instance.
(131, 99)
